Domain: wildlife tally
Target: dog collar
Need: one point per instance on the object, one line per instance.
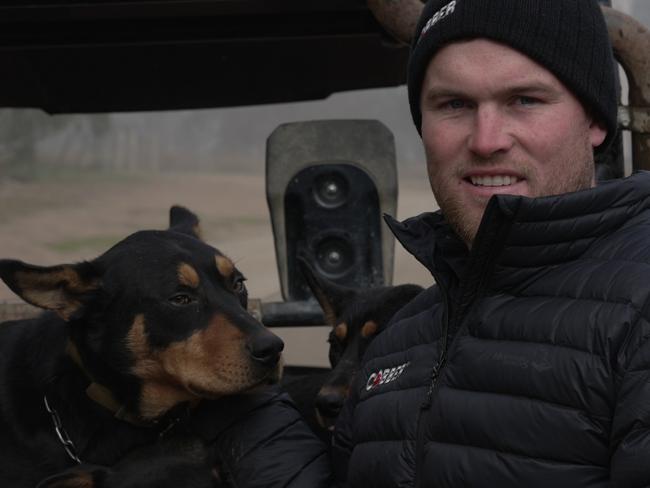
(102, 395)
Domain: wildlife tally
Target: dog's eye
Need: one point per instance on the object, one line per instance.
(238, 285)
(181, 299)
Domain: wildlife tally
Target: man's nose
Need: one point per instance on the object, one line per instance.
(490, 134)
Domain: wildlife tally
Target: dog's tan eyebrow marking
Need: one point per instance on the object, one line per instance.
(369, 329)
(188, 276)
(224, 265)
(341, 331)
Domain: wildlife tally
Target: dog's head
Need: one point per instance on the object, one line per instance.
(356, 316)
(157, 320)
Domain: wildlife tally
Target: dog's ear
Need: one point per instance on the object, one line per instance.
(333, 298)
(62, 289)
(184, 221)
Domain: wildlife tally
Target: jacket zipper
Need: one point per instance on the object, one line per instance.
(461, 312)
(489, 241)
(433, 381)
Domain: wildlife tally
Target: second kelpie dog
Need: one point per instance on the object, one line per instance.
(356, 317)
(131, 342)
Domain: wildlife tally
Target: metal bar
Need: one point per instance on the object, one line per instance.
(10, 310)
(631, 43)
(397, 17)
(291, 314)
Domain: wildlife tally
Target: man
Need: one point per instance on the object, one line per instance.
(527, 364)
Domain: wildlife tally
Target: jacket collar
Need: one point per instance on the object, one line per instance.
(532, 232)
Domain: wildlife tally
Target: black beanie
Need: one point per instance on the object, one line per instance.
(567, 37)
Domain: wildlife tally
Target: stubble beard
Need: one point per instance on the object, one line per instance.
(466, 226)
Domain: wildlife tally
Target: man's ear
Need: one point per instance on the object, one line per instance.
(597, 132)
(333, 298)
(62, 289)
(184, 221)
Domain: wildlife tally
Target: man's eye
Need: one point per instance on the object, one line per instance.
(456, 103)
(527, 100)
(181, 299)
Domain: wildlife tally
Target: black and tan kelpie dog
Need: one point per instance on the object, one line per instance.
(356, 316)
(130, 344)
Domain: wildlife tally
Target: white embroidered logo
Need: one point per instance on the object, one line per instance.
(384, 376)
(438, 16)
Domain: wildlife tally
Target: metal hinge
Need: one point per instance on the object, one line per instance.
(635, 119)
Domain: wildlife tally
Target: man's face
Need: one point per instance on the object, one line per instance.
(494, 122)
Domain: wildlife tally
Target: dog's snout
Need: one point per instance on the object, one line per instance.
(329, 403)
(265, 348)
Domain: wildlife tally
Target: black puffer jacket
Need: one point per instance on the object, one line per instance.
(261, 441)
(527, 365)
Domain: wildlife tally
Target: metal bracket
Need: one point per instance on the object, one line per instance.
(635, 119)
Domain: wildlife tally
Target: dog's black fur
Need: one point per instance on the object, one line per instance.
(356, 317)
(181, 461)
(131, 342)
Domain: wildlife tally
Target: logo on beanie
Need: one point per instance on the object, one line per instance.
(438, 16)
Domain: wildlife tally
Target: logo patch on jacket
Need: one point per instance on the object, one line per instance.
(384, 376)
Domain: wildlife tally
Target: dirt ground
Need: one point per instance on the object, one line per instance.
(72, 216)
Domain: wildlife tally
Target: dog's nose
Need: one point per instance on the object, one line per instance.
(329, 403)
(265, 348)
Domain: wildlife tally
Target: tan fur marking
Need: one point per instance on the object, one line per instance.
(188, 276)
(205, 359)
(49, 290)
(210, 363)
(136, 340)
(66, 275)
(75, 480)
(341, 331)
(224, 265)
(369, 329)
(159, 391)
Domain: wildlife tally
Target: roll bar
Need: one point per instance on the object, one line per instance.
(631, 43)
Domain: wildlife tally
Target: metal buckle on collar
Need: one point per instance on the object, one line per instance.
(61, 433)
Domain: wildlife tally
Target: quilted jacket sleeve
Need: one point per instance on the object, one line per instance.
(630, 464)
(342, 439)
(265, 442)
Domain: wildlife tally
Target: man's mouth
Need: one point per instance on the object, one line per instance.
(495, 180)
